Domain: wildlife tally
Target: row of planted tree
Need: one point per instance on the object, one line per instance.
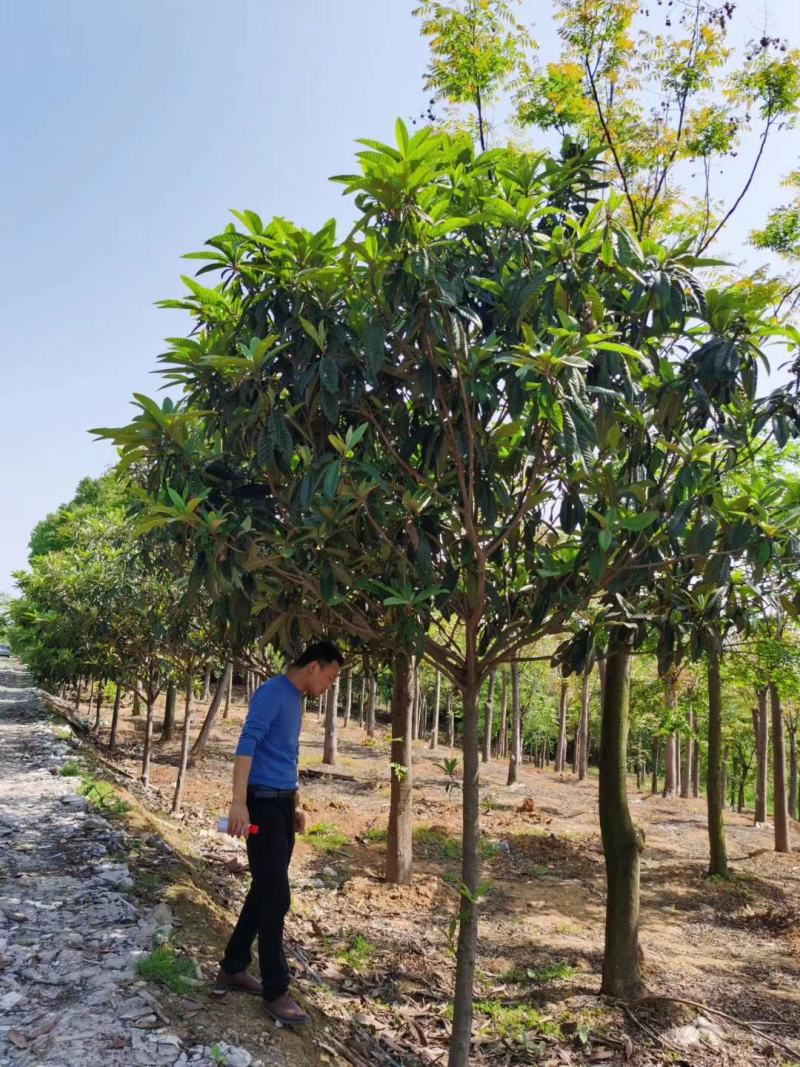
(513, 413)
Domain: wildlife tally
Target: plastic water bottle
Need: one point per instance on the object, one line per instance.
(222, 826)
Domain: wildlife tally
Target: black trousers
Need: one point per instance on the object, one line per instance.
(267, 902)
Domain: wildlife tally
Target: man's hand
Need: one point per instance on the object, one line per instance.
(238, 819)
(299, 820)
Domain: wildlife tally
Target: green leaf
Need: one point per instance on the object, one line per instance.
(329, 374)
(640, 521)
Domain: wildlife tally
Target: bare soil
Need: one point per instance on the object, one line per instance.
(733, 947)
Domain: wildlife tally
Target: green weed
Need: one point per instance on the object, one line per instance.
(70, 770)
(359, 954)
(326, 838)
(377, 836)
(103, 795)
(166, 967)
(515, 1022)
(438, 844)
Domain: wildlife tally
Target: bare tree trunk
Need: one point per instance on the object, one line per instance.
(561, 745)
(686, 771)
(656, 760)
(100, 687)
(91, 698)
(399, 841)
(718, 860)
(78, 686)
(582, 740)
(170, 709)
(206, 694)
(362, 700)
(322, 704)
(148, 741)
(724, 774)
(761, 727)
(515, 758)
(437, 698)
(622, 840)
(228, 694)
(371, 705)
(670, 703)
(187, 726)
(791, 805)
(136, 710)
(459, 1055)
(112, 741)
(330, 747)
(782, 843)
(677, 762)
(348, 700)
(487, 725)
(696, 760)
(199, 747)
(415, 698)
(502, 738)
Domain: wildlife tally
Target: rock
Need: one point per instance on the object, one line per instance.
(10, 999)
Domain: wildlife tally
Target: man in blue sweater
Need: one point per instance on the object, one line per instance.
(265, 794)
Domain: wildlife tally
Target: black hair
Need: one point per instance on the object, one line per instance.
(323, 652)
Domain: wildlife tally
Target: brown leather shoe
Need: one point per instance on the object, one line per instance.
(285, 1010)
(236, 983)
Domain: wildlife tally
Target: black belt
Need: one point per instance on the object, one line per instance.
(261, 792)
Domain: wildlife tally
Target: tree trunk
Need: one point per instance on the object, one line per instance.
(371, 702)
(451, 722)
(487, 725)
(437, 698)
(582, 739)
(460, 1039)
(100, 687)
(670, 761)
(91, 698)
(761, 727)
(362, 700)
(206, 694)
(348, 699)
(330, 747)
(112, 741)
(686, 770)
(561, 745)
(170, 708)
(742, 783)
(228, 692)
(501, 750)
(136, 711)
(677, 762)
(778, 773)
(724, 774)
(322, 705)
(415, 699)
(791, 805)
(656, 761)
(187, 726)
(78, 686)
(148, 741)
(622, 840)
(718, 859)
(399, 841)
(696, 760)
(199, 747)
(515, 758)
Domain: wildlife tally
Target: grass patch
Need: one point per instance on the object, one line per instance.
(359, 954)
(570, 929)
(326, 838)
(166, 967)
(514, 1022)
(438, 844)
(63, 733)
(104, 797)
(377, 836)
(70, 770)
(553, 972)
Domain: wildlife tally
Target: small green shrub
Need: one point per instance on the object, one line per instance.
(377, 836)
(359, 954)
(103, 795)
(516, 1021)
(70, 770)
(326, 838)
(166, 967)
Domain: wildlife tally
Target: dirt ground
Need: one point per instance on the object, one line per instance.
(374, 961)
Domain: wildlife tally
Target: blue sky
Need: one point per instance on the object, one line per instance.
(129, 129)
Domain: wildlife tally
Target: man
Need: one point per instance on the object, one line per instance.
(265, 794)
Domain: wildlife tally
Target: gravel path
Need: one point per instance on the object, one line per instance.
(70, 935)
